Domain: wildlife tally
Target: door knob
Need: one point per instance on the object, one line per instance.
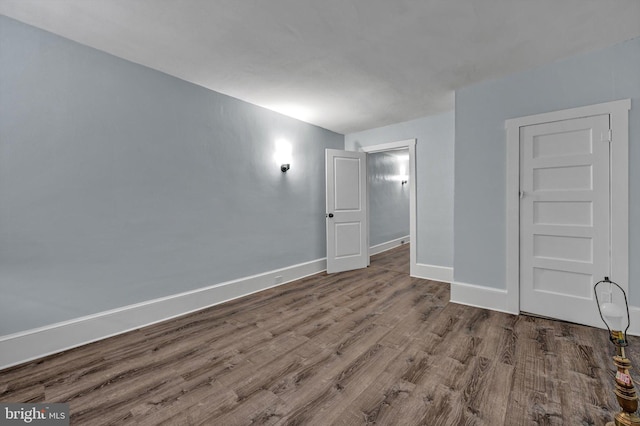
(330, 215)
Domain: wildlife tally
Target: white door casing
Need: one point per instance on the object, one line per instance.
(346, 215)
(618, 112)
(564, 217)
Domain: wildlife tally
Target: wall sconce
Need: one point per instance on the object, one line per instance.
(282, 155)
(612, 315)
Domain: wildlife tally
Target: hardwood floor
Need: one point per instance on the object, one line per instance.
(363, 347)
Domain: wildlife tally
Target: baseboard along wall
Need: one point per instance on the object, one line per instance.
(28, 345)
(32, 344)
(498, 300)
(379, 248)
(480, 297)
(432, 272)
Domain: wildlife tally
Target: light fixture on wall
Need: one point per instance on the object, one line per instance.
(613, 316)
(282, 155)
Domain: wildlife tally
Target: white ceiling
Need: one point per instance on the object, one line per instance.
(345, 65)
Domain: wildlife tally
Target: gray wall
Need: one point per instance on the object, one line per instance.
(120, 184)
(434, 175)
(388, 197)
(480, 152)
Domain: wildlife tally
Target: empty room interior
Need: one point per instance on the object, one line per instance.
(321, 213)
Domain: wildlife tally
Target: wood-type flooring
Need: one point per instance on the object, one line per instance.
(365, 347)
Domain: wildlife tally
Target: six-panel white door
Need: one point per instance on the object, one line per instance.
(346, 216)
(564, 217)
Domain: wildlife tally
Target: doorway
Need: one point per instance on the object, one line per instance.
(388, 196)
(402, 148)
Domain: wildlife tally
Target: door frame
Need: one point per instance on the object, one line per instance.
(394, 146)
(619, 190)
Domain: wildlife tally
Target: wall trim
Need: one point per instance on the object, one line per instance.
(478, 296)
(433, 272)
(496, 299)
(379, 248)
(28, 345)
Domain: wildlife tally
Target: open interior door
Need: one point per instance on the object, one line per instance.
(346, 216)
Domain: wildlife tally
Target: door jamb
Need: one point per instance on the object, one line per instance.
(411, 145)
(619, 181)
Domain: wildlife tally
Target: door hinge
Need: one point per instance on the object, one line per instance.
(606, 137)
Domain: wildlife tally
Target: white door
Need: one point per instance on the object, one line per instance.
(564, 217)
(346, 216)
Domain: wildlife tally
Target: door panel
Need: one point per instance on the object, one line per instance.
(346, 216)
(572, 248)
(347, 192)
(348, 239)
(564, 217)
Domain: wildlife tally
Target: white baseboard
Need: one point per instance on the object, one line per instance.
(379, 248)
(432, 272)
(480, 297)
(497, 300)
(32, 344)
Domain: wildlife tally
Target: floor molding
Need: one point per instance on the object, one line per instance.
(480, 297)
(31, 344)
(498, 300)
(433, 272)
(379, 248)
